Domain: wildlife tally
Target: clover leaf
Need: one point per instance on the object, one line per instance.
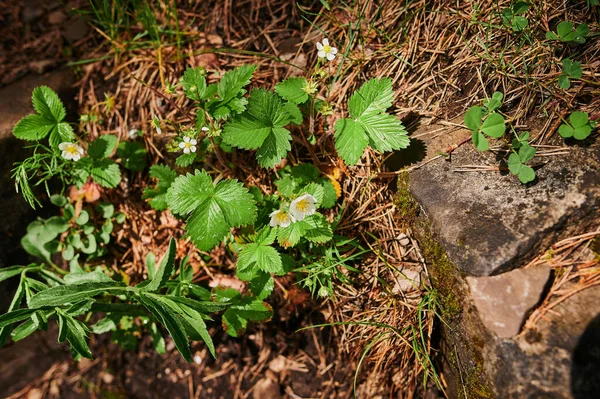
(578, 127)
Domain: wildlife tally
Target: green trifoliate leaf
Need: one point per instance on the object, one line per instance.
(103, 146)
(383, 132)
(494, 103)
(165, 269)
(579, 126)
(106, 173)
(214, 209)
(572, 68)
(261, 127)
(47, 103)
(526, 152)
(194, 83)
(33, 127)
(292, 89)
(564, 82)
(158, 196)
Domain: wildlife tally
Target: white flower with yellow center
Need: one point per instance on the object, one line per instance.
(188, 145)
(281, 218)
(303, 206)
(71, 151)
(325, 50)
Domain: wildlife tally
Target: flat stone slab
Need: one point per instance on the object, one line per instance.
(504, 301)
(559, 359)
(488, 222)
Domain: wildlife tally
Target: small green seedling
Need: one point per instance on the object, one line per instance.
(572, 70)
(485, 121)
(566, 34)
(512, 17)
(579, 126)
(518, 159)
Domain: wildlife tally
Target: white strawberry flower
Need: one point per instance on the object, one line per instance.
(326, 50)
(205, 129)
(303, 206)
(188, 145)
(70, 151)
(281, 218)
(132, 134)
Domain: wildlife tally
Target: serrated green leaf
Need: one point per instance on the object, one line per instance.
(229, 91)
(132, 154)
(188, 191)
(385, 131)
(258, 257)
(63, 294)
(290, 236)
(236, 317)
(350, 140)
(164, 270)
(185, 160)
(374, 97)
(261, 127)
(317, 228)
(63, 132)
(106, 173)
(314, 189)
(261, 285)
(274, 148)
(214, 209)
(102, 147)
(47, 103)
(33, 127)
(292, 89)
(295, 113)
(158, 196)
(194, 83)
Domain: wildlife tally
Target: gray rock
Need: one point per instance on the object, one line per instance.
(489, 222)
(560, 359)
(504, 301)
